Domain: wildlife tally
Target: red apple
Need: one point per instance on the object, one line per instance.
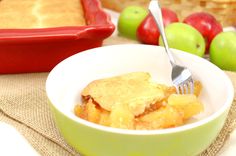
(148, 32)
(206, 24)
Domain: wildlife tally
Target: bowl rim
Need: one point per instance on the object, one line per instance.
(181, 128)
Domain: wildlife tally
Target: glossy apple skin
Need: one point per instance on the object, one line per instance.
(206, 24)
(129, 20)
(184, 37)
(148, 31)
(223, 50)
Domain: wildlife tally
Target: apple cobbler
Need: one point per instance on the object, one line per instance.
(40, 13)
(134, 101)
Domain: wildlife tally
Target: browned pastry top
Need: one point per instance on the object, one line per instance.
(134, 89)
(40, 13)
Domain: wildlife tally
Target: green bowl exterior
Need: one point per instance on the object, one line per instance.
(94, 142)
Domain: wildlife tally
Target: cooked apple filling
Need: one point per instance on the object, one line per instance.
(134, 101)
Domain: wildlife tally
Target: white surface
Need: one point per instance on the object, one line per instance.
(12, 143)
(230, 147)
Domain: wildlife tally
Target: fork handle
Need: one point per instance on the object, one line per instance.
(155, 10)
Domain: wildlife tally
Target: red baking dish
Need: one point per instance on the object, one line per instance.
(39, 50)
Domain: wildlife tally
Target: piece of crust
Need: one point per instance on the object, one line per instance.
(134, 89)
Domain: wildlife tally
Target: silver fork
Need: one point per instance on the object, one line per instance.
(181, 76)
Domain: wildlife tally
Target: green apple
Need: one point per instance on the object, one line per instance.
(184, 37)
(129, 20)
(223, 50)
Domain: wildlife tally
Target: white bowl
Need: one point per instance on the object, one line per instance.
(67, 79)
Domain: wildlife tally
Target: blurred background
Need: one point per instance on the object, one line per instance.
(223, 10)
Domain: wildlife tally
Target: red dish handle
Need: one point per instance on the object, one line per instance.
(93, 13)
(51, 33)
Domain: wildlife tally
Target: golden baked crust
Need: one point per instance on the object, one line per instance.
(134, 101)
(134, 89)
(40, 13)
(119, 5)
